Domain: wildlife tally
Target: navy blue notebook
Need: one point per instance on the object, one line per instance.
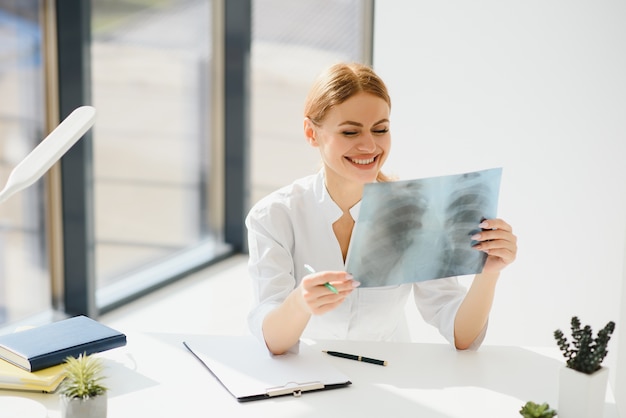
(48, 345)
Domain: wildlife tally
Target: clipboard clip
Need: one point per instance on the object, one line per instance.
(294, 388)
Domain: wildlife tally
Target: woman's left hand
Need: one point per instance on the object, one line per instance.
(499, 242)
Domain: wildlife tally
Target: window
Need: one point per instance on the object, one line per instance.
(25, 287)
(151, 85)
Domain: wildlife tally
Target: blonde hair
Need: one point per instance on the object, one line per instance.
(337, 84)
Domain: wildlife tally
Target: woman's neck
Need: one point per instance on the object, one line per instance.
(344, 193)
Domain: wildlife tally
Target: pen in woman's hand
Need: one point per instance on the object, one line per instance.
(328, 285)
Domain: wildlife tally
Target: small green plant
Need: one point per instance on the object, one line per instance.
(83, 377)
(585, 353)
(534, 410)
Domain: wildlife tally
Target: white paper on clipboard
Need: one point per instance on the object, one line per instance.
(249, 372)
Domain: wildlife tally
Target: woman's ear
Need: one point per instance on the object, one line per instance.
(309, 132)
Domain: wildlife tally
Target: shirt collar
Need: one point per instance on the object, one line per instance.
(327, 204)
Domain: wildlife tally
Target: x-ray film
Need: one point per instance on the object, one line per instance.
(417, 230)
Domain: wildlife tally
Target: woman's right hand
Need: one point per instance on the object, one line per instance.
(283, 326)
(317, 298)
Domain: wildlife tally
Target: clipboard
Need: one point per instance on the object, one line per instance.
(250, 372)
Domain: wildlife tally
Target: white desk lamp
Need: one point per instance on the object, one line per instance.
(49, 151)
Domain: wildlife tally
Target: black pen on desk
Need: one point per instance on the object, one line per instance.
(357, 358)
(328, 285)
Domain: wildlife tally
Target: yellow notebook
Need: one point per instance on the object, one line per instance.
(44, 380)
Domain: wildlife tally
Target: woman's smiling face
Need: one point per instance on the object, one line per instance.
(354, 139)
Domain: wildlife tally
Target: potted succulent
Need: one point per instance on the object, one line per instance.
(583, 380)
(535, 410)
(82, 394)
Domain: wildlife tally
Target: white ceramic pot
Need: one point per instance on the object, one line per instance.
(84, 408)
(582, 395)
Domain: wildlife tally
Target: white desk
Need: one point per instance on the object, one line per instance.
(155, 376)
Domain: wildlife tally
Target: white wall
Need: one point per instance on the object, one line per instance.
(539, 88)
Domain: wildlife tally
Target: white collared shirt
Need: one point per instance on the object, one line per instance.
(292, 227)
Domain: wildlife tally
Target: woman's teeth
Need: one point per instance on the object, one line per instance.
(362, 162)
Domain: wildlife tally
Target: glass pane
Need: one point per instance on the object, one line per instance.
(292, 41)
(24, 274)
(151, 76)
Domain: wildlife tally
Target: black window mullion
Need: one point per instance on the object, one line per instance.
(237, 39)
(74, 62)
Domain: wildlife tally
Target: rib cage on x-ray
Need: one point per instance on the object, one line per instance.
(464, 211)
(419, 230)
(401, 215)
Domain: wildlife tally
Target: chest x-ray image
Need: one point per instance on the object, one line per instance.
(416, 230)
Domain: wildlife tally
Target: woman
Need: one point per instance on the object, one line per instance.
(310, 222)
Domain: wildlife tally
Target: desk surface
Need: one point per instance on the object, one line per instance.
(156, 376)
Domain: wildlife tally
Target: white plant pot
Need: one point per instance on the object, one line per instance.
(95, 407)
(582, 395)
